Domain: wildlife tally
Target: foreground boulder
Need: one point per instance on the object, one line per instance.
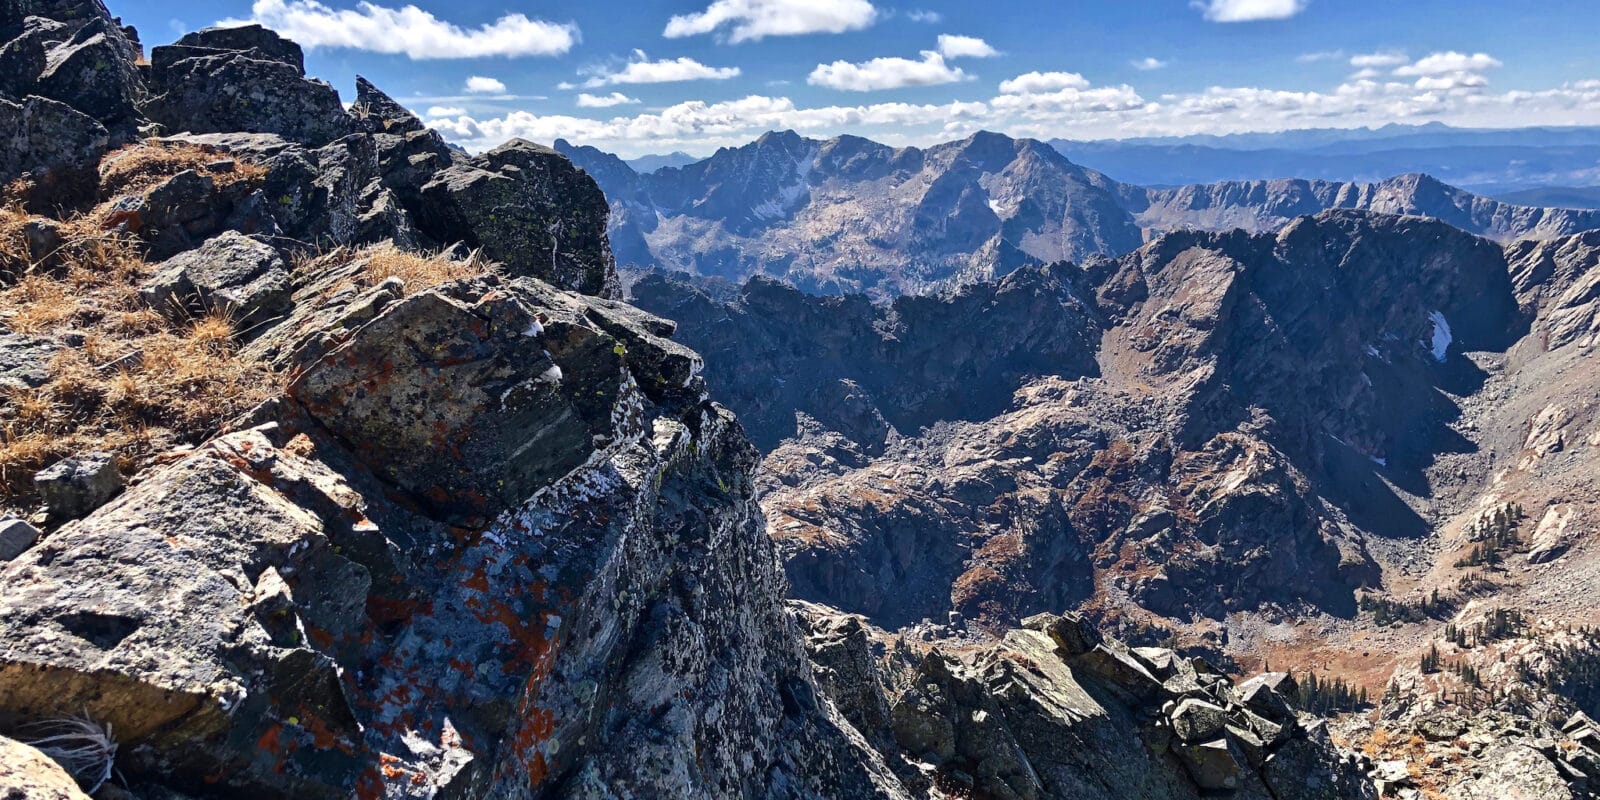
(470, 554)
(27, 774)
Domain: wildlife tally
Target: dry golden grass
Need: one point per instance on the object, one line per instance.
(419, 272)
(378, 263)
(141, 166)
(183, 381)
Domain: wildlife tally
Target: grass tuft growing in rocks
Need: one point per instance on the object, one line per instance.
(124, 379)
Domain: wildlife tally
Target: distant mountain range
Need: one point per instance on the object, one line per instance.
(1484, 161)
(849, 214)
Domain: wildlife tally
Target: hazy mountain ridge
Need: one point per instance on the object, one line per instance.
(849, 214)
(1487, 161)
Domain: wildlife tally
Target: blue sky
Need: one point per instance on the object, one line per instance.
(659, 75)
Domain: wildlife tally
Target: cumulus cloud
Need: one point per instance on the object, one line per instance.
(642, 70)
(1249, 10)
(752, 20)
(1449, 62)
(1148, 64)
(965, 47)
(586, 100)
(409, 30)
(887, 73)
(1053, 104)
(924, 16)
(477, 84)
(1041, 82)
(444, 111)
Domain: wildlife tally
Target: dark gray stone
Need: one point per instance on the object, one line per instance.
(16, 536)
(243, 278)
(75, 486)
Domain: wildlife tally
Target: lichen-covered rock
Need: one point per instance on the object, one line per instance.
(27, 774)
(1197, 721)
(93, 71)
(529, 208)
(242, 278)
(75, 53)
(266, 43)
(50, 143)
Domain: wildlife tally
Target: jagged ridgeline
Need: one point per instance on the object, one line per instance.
(339, 470)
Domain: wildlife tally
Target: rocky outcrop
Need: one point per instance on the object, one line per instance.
(242, 80)
(527, 207)
(74, 53)
(1055, 710)
(548, 551)
(51, 144)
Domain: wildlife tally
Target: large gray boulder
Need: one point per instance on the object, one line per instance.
(240, 277)
(73, 52)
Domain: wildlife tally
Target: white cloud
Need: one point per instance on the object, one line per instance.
(965, 47)
(887, 73)
(1449, 62)
(642, 70)
(477, 84)
(751, 20)
(924, 16)
(1050, 105)
(1041, 82)
(444, 111)
(1249, 10)
(1383, 59)
(1322, 55)
(409, 30)
(586, 100)
(1148, 63)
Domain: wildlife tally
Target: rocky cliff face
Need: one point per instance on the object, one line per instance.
(849, 214)
(486, 535)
